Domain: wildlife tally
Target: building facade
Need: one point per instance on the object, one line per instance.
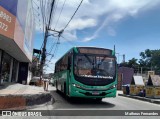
(16, 40)
(126, 75)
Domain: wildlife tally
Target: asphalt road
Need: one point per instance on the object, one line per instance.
(118, 103)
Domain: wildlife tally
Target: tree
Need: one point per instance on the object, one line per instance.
(123, 64)
(145, 60)
(155, 61)
(132, 64)
(150, 60)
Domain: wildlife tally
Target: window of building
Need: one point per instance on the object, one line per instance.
(6, 64)
(14, 70)
(0, 56)
(0, 64)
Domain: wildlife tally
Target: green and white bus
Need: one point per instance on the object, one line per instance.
(87, 72)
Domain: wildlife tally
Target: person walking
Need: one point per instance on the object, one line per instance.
(45, 84)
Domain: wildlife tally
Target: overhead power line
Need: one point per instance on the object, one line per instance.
(68, 41)
(35, 3)
(45, 39)
(56, 5)
(73, 14)
(61, 31)
(60, 13)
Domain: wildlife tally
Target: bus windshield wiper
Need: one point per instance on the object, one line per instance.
(88, 59)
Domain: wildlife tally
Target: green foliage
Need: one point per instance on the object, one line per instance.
(131, 63)
(150, 60)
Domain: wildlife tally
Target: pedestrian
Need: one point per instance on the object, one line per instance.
(140, 93)
(144, 92)
(45, 84)
(127, 90)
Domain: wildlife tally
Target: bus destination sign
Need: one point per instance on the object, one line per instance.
(95, 51)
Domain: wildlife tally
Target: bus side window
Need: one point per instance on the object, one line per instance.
(69, 63)
(55, 69)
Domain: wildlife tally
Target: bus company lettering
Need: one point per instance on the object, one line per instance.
(91, 76)
(95, 51)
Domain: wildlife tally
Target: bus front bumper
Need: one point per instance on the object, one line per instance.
(77, 92)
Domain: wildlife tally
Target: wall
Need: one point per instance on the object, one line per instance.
(127, 74)
(17, 23)
(24, 30)
(8, 10)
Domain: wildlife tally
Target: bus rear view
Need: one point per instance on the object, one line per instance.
(90, 73)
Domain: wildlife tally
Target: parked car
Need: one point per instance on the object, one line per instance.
(35, 81)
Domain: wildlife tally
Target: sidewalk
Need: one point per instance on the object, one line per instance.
(151, 100)
(19, 96)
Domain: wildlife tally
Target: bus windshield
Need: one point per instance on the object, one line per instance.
(94, 66)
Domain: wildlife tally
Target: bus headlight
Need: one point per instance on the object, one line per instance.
(76, 85)
(113, 86)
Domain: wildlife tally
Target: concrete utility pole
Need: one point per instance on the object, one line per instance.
(141, 70)
(45, 41)
(123, 58)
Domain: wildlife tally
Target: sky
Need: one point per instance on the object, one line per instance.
(131, 25)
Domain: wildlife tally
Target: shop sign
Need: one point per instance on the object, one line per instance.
(7, 23)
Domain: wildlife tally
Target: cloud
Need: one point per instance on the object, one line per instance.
(80, 24)
(115, 10)
(111, 31)
(70, 35)
(106, 22)
(97, 14)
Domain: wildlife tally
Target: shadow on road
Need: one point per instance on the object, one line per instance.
(83, 102)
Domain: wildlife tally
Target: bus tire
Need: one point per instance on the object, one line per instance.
(98, 99)
(56, 85)
(64, 88)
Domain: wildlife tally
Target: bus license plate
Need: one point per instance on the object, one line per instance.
(95, 93)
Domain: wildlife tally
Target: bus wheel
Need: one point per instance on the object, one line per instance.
(56, 85)
(64, 88)
(98, 99)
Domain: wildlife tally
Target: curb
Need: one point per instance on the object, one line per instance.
(24, 101)
(141, 98)
(37, 99)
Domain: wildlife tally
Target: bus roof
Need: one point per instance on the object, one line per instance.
(92, 47)
(81, 47)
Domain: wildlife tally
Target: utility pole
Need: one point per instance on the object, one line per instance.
(45, 41)
(123, 58)
(141, 70)
(115, 49)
